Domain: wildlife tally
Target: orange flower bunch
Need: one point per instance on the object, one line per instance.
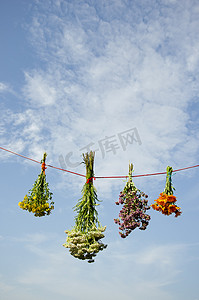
(166, 201)
(166, 204)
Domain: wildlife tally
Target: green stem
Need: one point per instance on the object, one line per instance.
(86, 212)
(168, 186)
(130, 172)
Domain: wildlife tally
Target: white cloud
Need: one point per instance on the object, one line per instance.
(3, 87)
(67, 271)
(107, 67)
(39, 90)
(32, 239)
(193, 59)
(5, 288)
(104, 75)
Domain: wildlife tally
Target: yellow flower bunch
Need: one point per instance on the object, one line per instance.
(37, 201)
(166, 201)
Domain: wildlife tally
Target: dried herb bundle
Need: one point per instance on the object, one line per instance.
(84, 239)
(133, 213)
(166, 201)
(37, 201)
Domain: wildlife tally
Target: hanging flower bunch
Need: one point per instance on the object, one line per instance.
(133, 213)
(37, 201)
(166, 201)
(84, 240)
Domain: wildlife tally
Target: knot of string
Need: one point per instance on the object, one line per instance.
(43, 167)
(90, 179)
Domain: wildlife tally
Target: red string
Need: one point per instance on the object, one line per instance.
(20, 155)
(134, 175)
(40, 162)
(186, 168)
(66, 171)
(90, 179)
(160, 173)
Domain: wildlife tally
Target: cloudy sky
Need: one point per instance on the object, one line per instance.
(119, 77)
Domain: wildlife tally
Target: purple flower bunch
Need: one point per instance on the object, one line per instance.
(133, 213)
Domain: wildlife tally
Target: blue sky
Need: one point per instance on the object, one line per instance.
(80, 73)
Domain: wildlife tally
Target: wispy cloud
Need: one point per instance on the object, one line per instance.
(5, 288)
(40, 91)
(102, 68)
(164, 260)
(104, 74)
(3, 87)
(32, 239)
(121, 269)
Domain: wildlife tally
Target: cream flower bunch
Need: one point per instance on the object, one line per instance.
(84, 240)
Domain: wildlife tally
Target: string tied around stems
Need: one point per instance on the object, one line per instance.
(90, 179)
(43, 163)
